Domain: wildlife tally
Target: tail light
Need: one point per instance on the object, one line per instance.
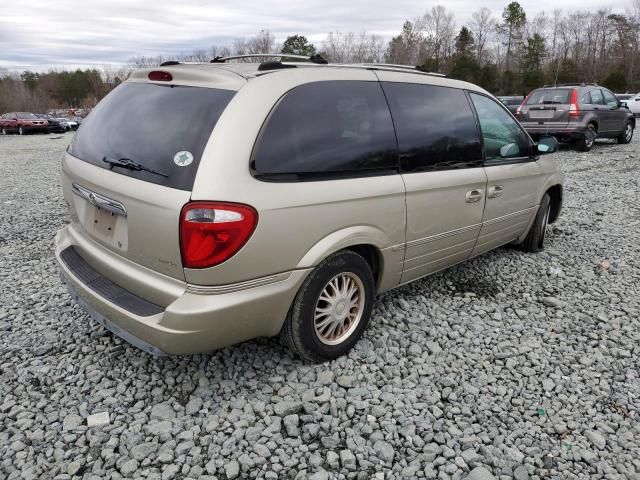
(524, 102)
(574, 110)
(160, 76)
(212, 232)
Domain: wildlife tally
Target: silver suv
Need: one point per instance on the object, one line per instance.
(577, 113)
(215, 203)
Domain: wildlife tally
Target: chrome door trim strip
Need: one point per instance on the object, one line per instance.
(509, 215)
(440, 236)
(99, 201)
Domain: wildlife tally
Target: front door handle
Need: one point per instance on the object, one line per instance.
(495, 191)
(473, 196)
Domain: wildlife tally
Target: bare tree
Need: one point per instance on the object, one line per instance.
(353, 48)
(482, 25)
(439, 29)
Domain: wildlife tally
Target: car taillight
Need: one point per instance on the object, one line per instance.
(160, 76)
(212, 232)
(518, 110)
(574, 110)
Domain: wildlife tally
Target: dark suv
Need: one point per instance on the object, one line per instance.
(577, 113)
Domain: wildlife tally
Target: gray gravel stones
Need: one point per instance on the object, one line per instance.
(507, 366)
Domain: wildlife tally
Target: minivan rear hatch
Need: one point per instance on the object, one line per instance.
(131, 166)
(546, 106)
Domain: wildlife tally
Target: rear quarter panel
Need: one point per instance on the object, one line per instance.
(300, 223)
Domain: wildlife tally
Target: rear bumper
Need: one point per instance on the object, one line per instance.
(200, 319)
(574, 132)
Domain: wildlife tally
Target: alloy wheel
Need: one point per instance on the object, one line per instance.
(339, 308)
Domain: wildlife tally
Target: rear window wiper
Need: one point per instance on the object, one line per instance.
(131, 165)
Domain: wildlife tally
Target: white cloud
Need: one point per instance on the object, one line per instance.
(38, 34)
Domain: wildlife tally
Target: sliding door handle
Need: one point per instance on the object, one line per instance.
(495, 191)
(473, 196)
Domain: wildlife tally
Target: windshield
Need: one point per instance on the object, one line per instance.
(26, 116)
(160, 127)
(551, 96)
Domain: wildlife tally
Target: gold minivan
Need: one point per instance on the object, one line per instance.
(214, 203)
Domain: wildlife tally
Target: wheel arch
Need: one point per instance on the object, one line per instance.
(556, 194)
(367, 241)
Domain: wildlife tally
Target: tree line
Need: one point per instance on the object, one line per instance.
(510, 54)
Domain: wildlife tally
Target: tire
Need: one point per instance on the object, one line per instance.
(322, 339)
(627, 134)
(21, 131)
(4, 131)
(586, 142)
(534, 241)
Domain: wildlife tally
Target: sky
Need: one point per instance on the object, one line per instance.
(42, 34)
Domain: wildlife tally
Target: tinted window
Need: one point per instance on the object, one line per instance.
(502, 136)
(586, 98)
(610, 99)
(596, 97)
(548, 97)
(327, 128)
(150, 124)
(26, 116)
(435, 127)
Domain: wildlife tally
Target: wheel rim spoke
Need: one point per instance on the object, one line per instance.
(339, 308)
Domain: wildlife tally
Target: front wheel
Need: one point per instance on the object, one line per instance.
(534, 241)
(4, 131)
(627, 134)
(21, 131)
(332, 308)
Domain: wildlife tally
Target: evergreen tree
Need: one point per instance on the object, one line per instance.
(534, 52)
(298, 45)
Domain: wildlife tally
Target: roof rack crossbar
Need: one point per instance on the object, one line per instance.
(312, 58)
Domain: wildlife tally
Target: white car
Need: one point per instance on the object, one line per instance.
(633, 104)
(68, 124)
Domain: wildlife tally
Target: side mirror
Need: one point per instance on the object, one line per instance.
(547, 145)
(509, 150)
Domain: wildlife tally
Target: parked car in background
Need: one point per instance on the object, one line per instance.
(54, 125)
(78, 121)
(22, 123)
(305, 191)
(68, 123)
(512, 103)
(577, 113)
(633, 104)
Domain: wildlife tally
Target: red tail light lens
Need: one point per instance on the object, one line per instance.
(574, 110)
(160, 76)
(212, 232)
(524, 102)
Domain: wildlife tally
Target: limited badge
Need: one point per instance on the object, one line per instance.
(183, 158)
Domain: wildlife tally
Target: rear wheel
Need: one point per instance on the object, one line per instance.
(586, 142)
(627, 134)
(332, 308)
(534, 241)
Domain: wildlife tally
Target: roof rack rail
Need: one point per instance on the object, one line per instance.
(578, 84)
(313, 58)
(405, 67)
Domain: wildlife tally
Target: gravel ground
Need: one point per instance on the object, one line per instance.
(509, 366)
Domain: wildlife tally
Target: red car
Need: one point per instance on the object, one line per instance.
(22, 123)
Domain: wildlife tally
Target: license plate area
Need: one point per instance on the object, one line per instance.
(105, 226)
(546, 114)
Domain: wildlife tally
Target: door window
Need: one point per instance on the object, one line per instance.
(610, 99)
(596, 97)
(435, 127)
(503, 138)
(327, 130)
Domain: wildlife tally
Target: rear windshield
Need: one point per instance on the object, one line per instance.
(160, 128)
(551, 96)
